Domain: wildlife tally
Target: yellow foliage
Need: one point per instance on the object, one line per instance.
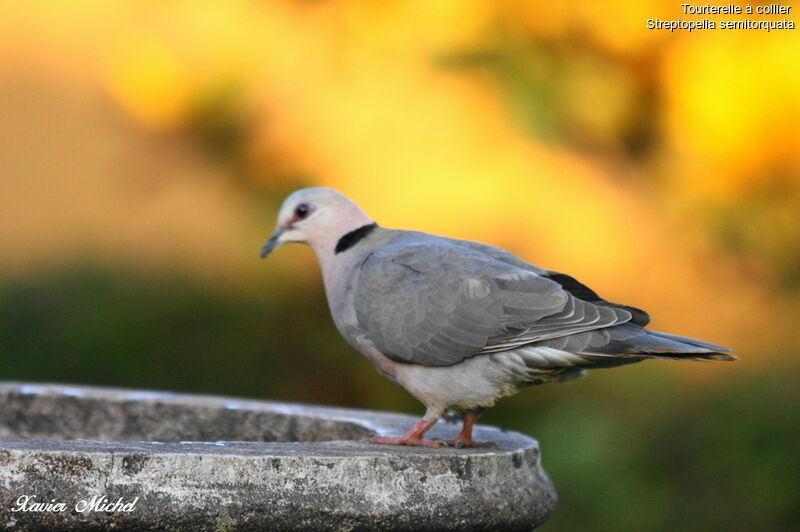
(149, 81)
(734, 109)
(352, 95)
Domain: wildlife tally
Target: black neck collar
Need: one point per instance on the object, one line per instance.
(352, 238)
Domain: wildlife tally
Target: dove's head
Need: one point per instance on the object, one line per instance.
(318, 217)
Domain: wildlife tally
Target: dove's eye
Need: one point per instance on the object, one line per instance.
(302, 210)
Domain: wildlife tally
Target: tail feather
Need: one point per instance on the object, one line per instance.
(708, 346)
(686, 348)
(566, 358)
(629, 341)
(609, 347)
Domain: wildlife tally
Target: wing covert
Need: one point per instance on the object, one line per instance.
(436, 304)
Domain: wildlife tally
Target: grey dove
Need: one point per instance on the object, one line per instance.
(461, 324)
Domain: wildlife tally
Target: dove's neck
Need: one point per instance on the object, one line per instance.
(334, 249)
(338, 258)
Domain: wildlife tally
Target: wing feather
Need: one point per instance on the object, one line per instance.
(435, 304)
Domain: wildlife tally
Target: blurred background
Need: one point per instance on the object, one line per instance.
(146, 146)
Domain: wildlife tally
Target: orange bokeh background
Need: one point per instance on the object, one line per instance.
(662, 169)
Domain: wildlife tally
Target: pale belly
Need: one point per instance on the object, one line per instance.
(476, 382)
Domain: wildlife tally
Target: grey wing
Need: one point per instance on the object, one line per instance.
(568, 283)
(437, 304)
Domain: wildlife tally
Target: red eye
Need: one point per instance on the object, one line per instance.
(302, 210)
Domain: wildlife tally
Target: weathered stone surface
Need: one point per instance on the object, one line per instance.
(212, 463)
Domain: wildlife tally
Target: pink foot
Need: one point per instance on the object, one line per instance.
(404, 440)
(468, 443)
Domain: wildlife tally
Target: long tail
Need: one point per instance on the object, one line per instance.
(688, 348)
(567, 358)
(626, 343)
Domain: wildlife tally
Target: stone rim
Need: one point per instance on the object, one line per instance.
(394, 488)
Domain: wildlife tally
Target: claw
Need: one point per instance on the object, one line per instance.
(459, 443)
(404, 440)
(414, 436)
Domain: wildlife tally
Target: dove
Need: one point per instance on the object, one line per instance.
(460, 324)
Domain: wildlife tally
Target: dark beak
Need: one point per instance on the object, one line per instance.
(272, 243)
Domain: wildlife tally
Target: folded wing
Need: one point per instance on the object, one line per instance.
(436, 303)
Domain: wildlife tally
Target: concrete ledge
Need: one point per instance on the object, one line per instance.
(214, 463)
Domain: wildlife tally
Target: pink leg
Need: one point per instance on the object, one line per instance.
(413, 437)
(464, 438)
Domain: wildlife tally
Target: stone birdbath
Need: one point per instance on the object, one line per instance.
(88, 458)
